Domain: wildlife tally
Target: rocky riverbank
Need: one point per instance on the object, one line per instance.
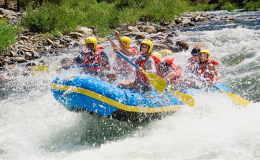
(30, 46)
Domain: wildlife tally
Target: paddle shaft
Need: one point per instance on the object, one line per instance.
(127, 59)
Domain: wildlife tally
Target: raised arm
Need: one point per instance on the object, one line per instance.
(128, 52)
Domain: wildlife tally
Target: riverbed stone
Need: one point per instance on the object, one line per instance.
(76, 35)
(85, 31)
(13, 54)
(183, 45)
(158, 47)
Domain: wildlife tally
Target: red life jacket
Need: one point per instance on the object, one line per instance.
(177, 78)
(139, 75)
(203, 70)
(96, 59)
(121, 64)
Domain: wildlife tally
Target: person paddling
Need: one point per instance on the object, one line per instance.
(121, 66)
(145, 62)
(170, 73)
(194, 57)
(93, 54)
(206, 68)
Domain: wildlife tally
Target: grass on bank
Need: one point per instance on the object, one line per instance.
(69, 14)
(8, 33)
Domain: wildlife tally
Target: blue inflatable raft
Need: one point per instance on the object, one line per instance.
(85, 93)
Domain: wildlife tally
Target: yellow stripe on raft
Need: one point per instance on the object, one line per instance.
(115, 103)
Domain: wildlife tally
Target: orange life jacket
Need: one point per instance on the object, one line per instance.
(96, 59)
(169, 60)
(203, 70)
(140, 63)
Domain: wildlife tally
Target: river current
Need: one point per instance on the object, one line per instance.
(33, 125)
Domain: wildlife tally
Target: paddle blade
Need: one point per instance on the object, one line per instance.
(185, 98)
(156, 81)
(42, 68)
(237, 99)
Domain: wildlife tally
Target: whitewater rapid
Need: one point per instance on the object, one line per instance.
(33, 125)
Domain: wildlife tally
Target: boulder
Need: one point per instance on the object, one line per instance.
(85, 31)
(20, 59)
(132, 29)
(183, 45)
(13, 54)
(158, 47)
(75, 35)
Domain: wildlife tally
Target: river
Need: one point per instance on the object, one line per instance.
(33, 125)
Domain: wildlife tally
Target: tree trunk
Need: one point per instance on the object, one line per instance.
(5, 4)
(18, 5)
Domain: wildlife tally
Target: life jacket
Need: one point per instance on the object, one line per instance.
(95, 59)
(121, 64)
(203, 71)
(140, 63)
(160, 71)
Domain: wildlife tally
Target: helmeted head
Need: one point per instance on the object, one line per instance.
(157, 54)
(204, 51)
(166, 52)
(149, 43)
(127, 40)
(195, 51)
(92, 40)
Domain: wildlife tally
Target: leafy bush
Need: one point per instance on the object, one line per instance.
(7, 37)
(68, 14)
(252, 6)
(228, 6)
(52, 17)
(203, 7)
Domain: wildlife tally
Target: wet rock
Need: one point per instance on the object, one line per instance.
(13, 54)
(183, 45)
(7, 60)
(133, 34)
(20, 53)
(24, 38)
(148, 29)
(199, 19)
(191, 24)
(28, 55)
(175, 49)
(132, 29)
(20, 59)
(158, 47)
(85, 31)
(35, 54)
(75, 35)
(138, 37)
(6, 12)
(167, 41)
(252, 17)
(49, 42)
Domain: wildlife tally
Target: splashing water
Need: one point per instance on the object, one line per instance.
(33, 125)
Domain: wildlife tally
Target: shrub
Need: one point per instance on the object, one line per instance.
(7, 37)
(52, 17)
(228, 6)
(252, 6)
(203, 7)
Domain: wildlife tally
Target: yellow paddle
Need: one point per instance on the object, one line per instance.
(155, 80)
(46, 69)
(160, 84)
(235, 98)
(185, 98)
